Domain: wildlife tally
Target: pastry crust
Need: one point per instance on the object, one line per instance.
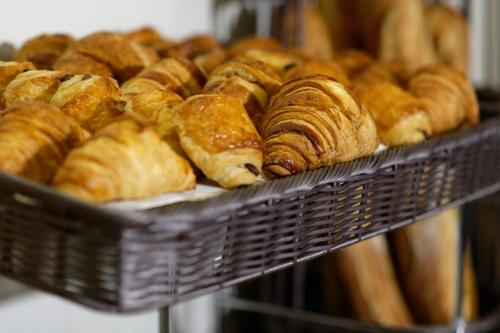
(251, 82)
(123, 57)
(177, 74)
(43, 50)
(401, 119)
(72, 62)
(314, 122)
(36, 85)
(448, 96)
(281, 62)
(219, 137)
(319, 67)
(450, 35)
(353, 61)
(35, 138)
(254, 43)
(8, 72)
(124, 160)
(92, 101)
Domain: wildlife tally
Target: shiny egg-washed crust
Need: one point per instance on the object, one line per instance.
(36, 85)
(401, 119)
(123, 57)
(72, 62)
(448, 96)
(177, 74)
(92, 101)
(314, 122)
(254, 43)
(125, 160)
(8, 72)
(279, 61)
(35, 138)
(450, 35)
(353, 61)
(219, 137)
(250, 81)
(43, 50)
(319, 67)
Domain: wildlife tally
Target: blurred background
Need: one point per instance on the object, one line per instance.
(23, 310)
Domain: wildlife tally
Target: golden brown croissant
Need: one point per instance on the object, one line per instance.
(280, 61)
(145, 35)
(251, 82)
(8, 72)
(314, 122)
(401, 119)
(35, 138)
(123, 57)
(450, 33)
(319, 67)
(124, 160)
(426, 252)
(219, 137)
(254, 43)
(149, 99)
(92, 101)
(177, 74)
(72, 62)
(43, 50)
(353, 61)
(36, 85)
(369, 277)
(448, 96)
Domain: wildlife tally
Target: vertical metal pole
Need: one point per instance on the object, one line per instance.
(460, 324)
(165, 320)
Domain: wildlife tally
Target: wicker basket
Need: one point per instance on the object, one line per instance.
(128, 262)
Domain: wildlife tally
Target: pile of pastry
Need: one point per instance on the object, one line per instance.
(122, 116)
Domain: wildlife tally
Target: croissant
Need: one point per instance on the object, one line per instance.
(72, 62)
(353, 61)
(35, 138)
(450, 33)
(124, 160)
(369, 277)
(279, 61)
(424, 252)
(146, 35)
(254, 43)
(92, 101)
(251, 82)
(319, 67)
(314, 122)
(8, 72)
(123, 57)
(219, 137)
(177, 74)
(448, 96)
(149, 102)
(36, 85)
(43, 50)
(401, 119)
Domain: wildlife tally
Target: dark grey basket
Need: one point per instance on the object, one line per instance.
(136, 261)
